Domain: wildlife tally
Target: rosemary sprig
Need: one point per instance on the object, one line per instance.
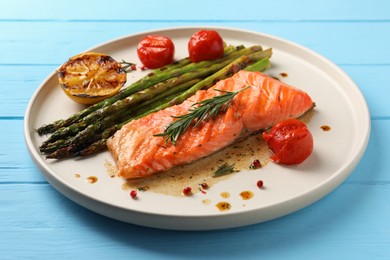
(208, 108)
(224, 169)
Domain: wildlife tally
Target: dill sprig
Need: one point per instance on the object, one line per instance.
(208, 108)
(224, 169)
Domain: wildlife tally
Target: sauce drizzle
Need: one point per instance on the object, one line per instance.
(92, 179)
(223, 206)
(246, 195)
(225, 195)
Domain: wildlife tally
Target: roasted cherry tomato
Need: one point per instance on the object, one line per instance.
(155, 51)
(290, 141)
(205, 45)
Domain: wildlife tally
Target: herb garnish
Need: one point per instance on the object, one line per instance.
(128, 66)
(208, 108)
(224, 169)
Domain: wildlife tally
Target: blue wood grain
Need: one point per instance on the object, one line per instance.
(19, 82)
(45, 224)
(175, 10)
(54, 42)
(374, 85)
(39, 223)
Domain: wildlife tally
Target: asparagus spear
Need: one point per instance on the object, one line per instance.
(124, 105)
(235, 66)
(96, 147)
(127, 102)
(185, 61)
(64, 142)
(140, 85)
(80, 146)
(117, 117)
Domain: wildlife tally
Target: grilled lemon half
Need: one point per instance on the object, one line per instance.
(91, 77)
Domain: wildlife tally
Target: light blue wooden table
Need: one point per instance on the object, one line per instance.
(36, 221)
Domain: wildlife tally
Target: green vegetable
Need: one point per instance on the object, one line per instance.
(224, 170)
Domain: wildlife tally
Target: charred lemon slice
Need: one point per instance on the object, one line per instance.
(91, 77)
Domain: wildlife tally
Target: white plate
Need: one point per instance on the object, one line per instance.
(339, 104)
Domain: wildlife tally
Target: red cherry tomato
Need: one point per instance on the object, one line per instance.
(290, 141)
(205, 45)
(155, 51)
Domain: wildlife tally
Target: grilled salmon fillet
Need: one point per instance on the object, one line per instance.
(138, 153)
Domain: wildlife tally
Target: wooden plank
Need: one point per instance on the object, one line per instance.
(373, 83)
(54, 42)
(38, 222)
(18, 86)
(350, 223)
(372, 169)
(207, 10)
(16, 164)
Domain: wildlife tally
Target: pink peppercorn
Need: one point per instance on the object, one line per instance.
(133, 194)
(187, 191)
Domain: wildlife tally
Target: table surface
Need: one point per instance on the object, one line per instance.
(37, 221)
